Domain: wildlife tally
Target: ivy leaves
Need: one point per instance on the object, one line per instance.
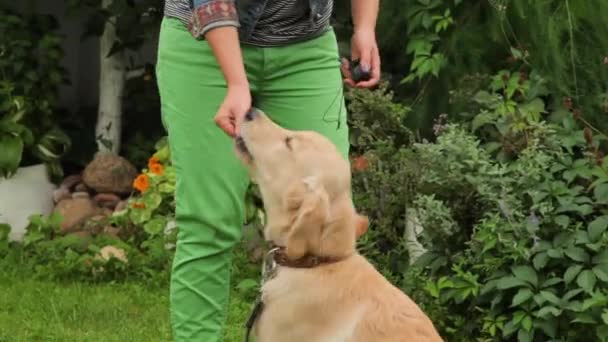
(426, 20)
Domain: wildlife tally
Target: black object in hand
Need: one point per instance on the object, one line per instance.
(357, 73)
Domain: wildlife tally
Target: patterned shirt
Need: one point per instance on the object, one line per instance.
(281, 21)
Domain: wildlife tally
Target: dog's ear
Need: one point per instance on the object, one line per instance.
(362, 225)
(308, 205)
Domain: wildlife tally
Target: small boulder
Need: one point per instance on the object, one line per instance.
(71, 181)
(80, 187)
(60, 194)
(110, 173)
(107, 200)
(75, 211)
(81, 194)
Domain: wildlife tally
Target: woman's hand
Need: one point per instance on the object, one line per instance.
(232, 111)
(224, 42)
(364, 48)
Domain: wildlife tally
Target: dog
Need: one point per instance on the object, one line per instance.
(322, 289)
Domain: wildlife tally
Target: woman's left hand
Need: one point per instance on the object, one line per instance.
(364, 48)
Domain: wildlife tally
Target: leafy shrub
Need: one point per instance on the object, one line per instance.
(532, 264)
(30, 74)
(513, 210)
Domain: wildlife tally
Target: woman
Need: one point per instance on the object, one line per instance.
(217, 59)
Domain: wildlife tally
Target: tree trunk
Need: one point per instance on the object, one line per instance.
(112, 72)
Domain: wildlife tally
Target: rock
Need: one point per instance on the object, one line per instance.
(81, 187)
(122, 205)
(81, 194)
(110, 173)
(107, 200)
(108, 252)
(61, 193)
(71, 181)
(75, 211)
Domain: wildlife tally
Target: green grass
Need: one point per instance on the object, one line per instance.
(33, 310)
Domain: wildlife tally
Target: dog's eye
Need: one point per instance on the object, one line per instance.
(288, 142)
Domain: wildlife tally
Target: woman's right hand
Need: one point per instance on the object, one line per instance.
(231, 113)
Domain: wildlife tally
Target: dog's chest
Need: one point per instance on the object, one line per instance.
(298, 310)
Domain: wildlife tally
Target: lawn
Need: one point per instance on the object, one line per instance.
(33, 310)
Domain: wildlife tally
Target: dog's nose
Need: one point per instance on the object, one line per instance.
(251, 114)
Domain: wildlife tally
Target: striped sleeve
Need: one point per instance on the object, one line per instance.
(210, 14)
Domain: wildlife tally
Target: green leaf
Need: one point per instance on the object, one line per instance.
(10, 158)
(601, 193)
(247, 284)
(533, 109)
(601, 258)
(550, 297)
(526, 273)
(140, 215)
(586, 280)
(522, 296)
(486, 99)
(549, 327)
(584, 318)
(571, 273)
(483, 119)
(545, 310)
(540, 260)
(152, 200)
(517, 54)
(156, 225)
(166, 188)
(571, 294)
(605, 316)
(601, 272)
(509, 282)
(597, 227)
(562, 220)
(550, 282)
(577, 254)
(555, 253)
(602, 332)
(509, 329)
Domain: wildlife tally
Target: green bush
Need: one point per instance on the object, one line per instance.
(513, 210)
(30, 75)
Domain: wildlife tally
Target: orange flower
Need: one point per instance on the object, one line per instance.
(153, 161)
(138, 205)
(141, 183)
(157, 169)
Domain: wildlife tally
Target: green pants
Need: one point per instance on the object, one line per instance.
(299, 86)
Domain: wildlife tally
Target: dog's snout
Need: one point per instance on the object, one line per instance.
(251, 114)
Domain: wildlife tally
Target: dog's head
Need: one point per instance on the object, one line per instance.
(306, 188)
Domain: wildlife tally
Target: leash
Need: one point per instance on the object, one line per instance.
(269, 268)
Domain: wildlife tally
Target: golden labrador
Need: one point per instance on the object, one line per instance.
(322, 289)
